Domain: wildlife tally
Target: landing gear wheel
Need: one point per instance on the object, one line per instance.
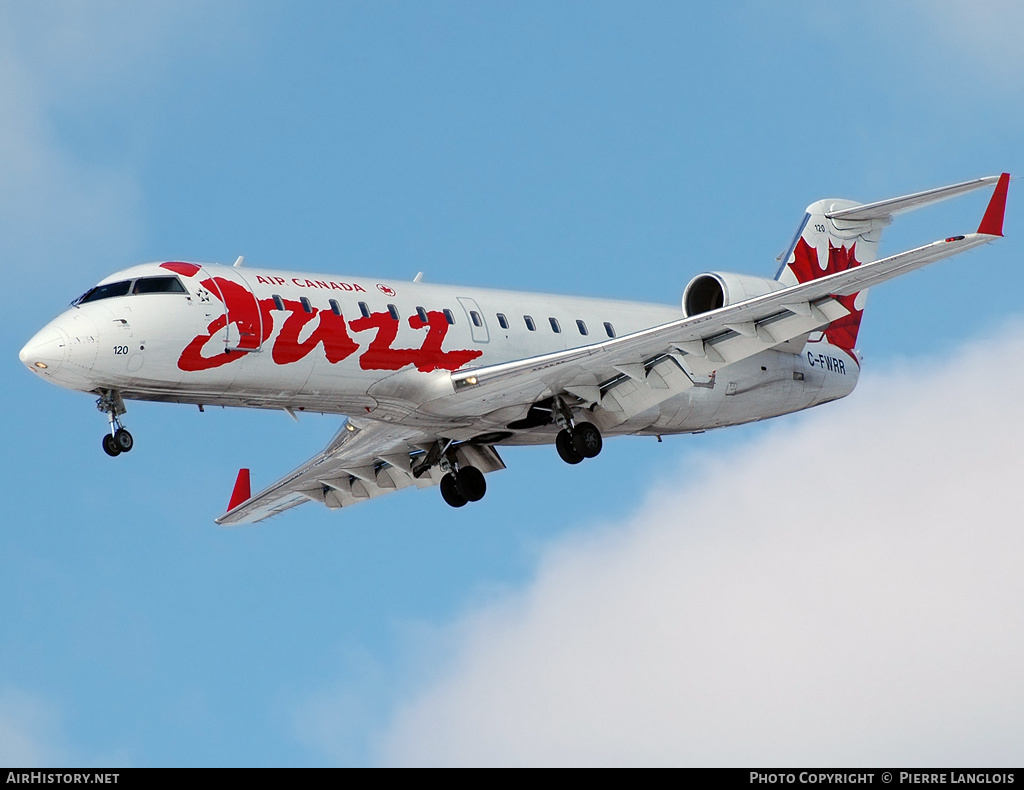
(566, 451)
(117, 440)
(471, 484)
(123, 440)
(450, 491)
(110, 446)
(586, 439)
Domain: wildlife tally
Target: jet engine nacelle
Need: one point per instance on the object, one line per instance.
(712, 290)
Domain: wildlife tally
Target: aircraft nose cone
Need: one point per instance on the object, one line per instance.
(45, 352)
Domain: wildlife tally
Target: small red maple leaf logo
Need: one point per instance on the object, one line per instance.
(386, 290)
(842, 332)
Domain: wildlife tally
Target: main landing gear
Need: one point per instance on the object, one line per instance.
(466, 484)
(461, 483)
(118, 440)
(576, 440)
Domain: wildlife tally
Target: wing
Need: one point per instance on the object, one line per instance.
(700, 344)
(363, 461)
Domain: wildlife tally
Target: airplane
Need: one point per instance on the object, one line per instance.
(432, 379)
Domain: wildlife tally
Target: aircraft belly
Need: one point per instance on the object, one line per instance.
(834, 370)
(675, 411)
(764, 386)
(753, 389)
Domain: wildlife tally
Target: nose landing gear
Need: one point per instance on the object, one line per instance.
(118, 440)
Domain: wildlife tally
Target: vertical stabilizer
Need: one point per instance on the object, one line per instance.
(826, 244)
(837, 235)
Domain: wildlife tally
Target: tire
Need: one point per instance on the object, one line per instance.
(586, 438)
(450, 492)
(110, 446)
(123, 440)
(471, 484)
(566, 451)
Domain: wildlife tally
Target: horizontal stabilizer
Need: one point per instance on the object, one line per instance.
(884, 209)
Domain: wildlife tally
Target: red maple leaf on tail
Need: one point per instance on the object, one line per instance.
(842, 332)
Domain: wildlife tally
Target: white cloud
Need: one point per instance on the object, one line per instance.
(51, 202)
(27, 731)
(32, 735)
(80, 60)
(976, 41)
(846, 590)
(985, 32)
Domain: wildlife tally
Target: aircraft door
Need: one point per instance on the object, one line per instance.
(475, 316)
(244, 319)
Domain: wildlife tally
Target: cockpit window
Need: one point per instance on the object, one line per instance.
(158, 285)
(105, 292)
(143, 285)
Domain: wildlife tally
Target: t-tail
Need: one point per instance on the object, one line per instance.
(837, 235)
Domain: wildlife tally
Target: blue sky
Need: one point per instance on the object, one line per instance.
(596, 148)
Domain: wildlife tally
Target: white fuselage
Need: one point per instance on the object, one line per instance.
(384, 349)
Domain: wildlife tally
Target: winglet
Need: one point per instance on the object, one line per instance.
(992, 222)
(241, 491)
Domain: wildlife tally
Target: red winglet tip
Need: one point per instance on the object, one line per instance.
(241, 491)
(992, 222)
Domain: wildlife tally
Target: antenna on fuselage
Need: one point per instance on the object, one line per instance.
(239, 261)
(418, 277)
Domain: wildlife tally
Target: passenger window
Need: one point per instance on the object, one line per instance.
(422, 314)
(278, 302)
(364, 310)
(554, 325)
(529, 323)
(477, 320)
(449, 317)
(582, 327)
(159, 285)
(306, 305)
(609, 329)
(393, 310)
(335, 307)
(502, 321)
(106, 291)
